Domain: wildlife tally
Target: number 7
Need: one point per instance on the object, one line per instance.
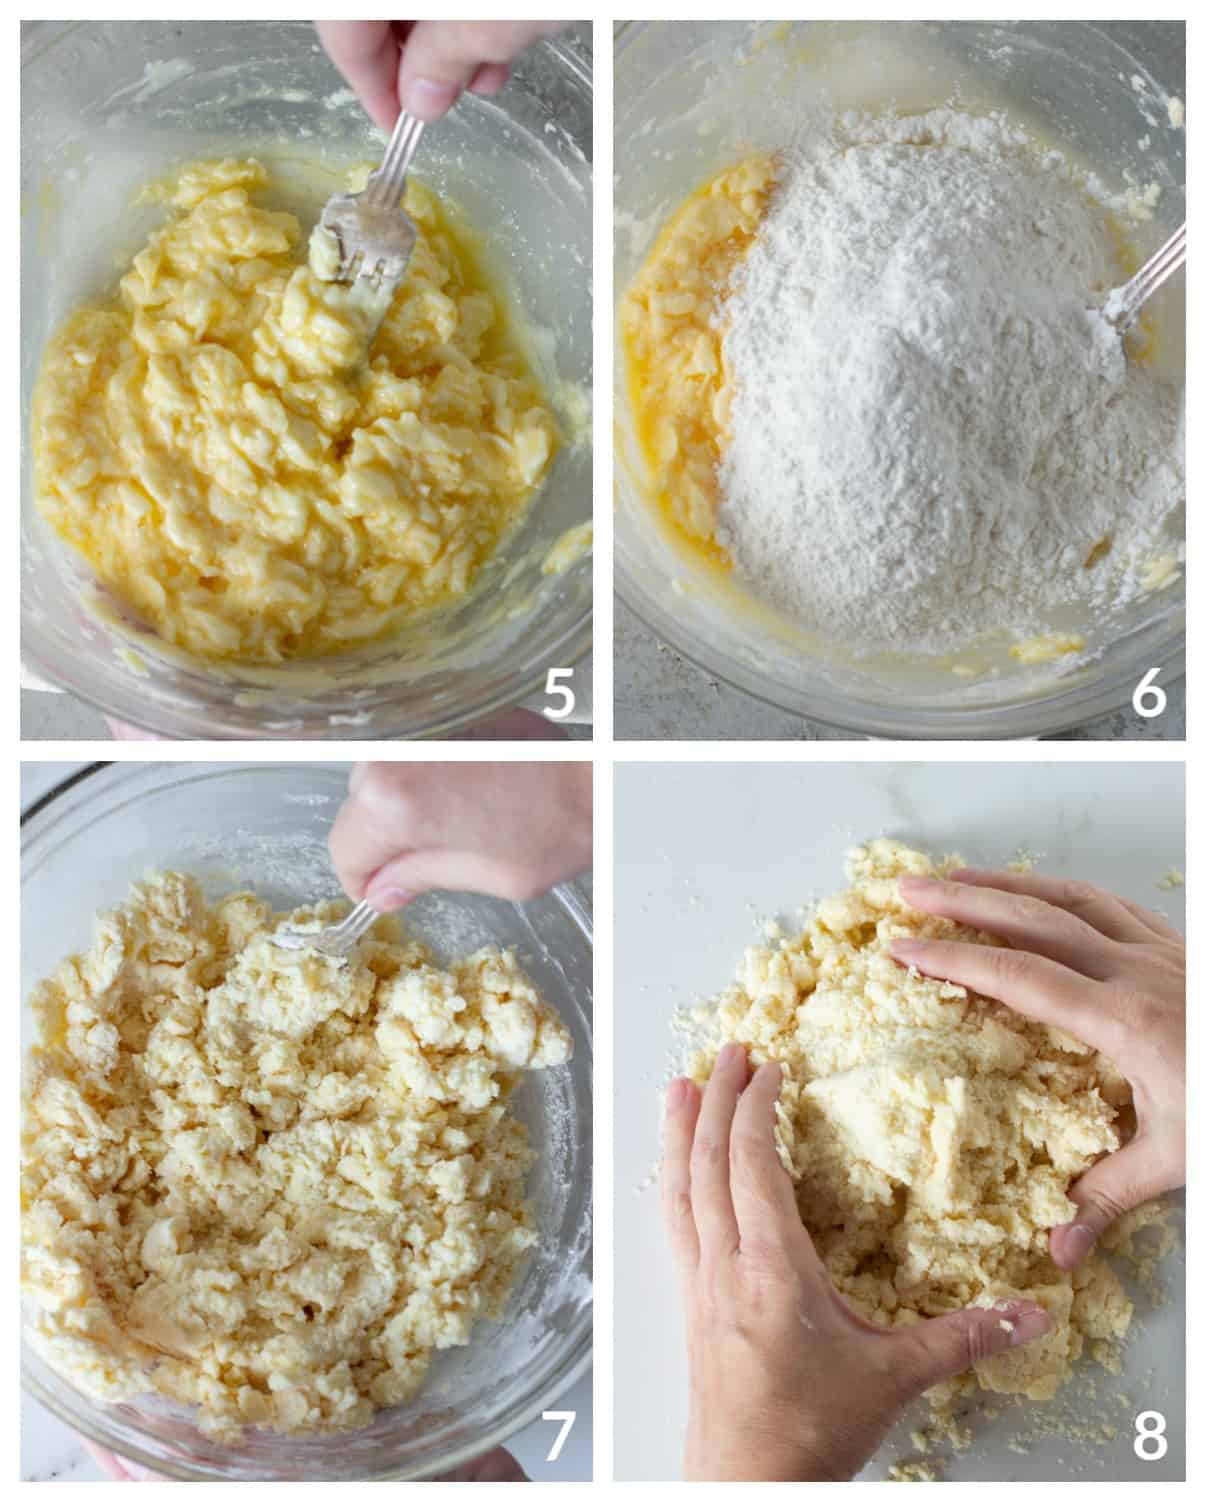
(565, 1417)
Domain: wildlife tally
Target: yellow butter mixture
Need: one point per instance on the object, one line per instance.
(269, 1183)
(671, 320)
(244, 470)
(932, 1133)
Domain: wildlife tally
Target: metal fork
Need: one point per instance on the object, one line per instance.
(1121, 307)
(375, 236)
(337, 941)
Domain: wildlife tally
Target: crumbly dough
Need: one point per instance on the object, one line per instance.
(264, 1182)
(244, 470)
(932, 1133)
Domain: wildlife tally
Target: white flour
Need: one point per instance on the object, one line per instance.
(930, 435)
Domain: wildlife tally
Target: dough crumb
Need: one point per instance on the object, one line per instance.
(1024, 861)
(913, 1470)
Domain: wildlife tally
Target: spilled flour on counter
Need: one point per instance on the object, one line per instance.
(930, 436)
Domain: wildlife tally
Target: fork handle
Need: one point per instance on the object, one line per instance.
(385, 187)
(358, 922)
(1122, 307)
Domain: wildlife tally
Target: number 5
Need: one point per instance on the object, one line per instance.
(563, 1416)
(553, 689)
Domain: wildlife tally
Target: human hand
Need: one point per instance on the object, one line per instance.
(1104, 970)
(512, 830)
(117, 1467)
(425, 65)
(787, 1382)
(494, 1465)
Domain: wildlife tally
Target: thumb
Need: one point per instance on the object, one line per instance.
(941, 1348)
(402, 879)
(1109, 1189)
(494, 1465)
(443, 58)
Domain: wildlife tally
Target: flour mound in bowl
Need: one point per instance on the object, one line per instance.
(932, 1134)
(268, 1183)
(931, 440)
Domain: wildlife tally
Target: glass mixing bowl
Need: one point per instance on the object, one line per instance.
(266, 826)
(147, 95)
(694, 97)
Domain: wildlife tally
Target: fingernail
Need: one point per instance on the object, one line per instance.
(1085, 1235)
(904, 949)
(776, 1068)
(386, 899)
(1026, 1321)
(428, 99)
(676, 1095)
(730, 1055)
(918, 883)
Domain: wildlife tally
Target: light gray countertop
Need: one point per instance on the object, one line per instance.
(661, 696)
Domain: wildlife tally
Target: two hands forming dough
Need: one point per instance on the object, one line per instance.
(787, 1380)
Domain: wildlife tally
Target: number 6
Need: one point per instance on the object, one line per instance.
(1149, 699)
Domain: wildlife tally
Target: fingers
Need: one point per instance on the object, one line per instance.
(495, 1465)
(1158, 926)
(1027, 983)
(1136, 1173)
(117, 1467)
(1109, 915)
(386, 891)
(490, 78)
(513, 724)
(402, 879)
(711, 1196)
(678, 1135)
(366, 53)
(941, 1348)
(442, 58)
(1027, 922)
(764, 1201)
(363, 837)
